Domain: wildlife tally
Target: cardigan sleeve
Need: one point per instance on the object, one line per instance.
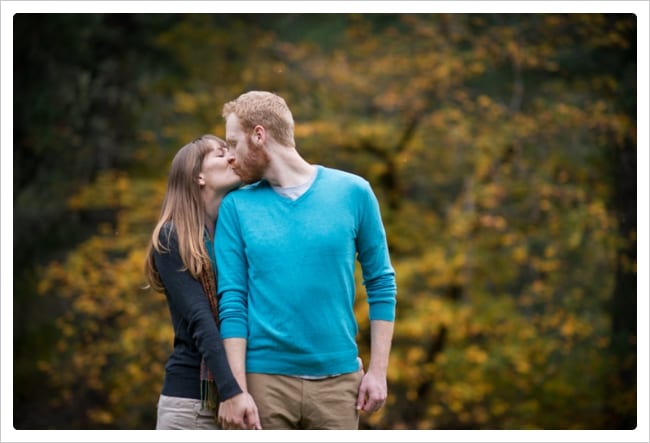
(185, 295)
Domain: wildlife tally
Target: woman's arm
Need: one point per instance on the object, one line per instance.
(186, 296)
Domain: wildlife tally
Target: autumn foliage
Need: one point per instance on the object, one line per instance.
(502, 148)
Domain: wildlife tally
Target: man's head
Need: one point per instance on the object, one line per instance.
(265, 109)
(253, 121)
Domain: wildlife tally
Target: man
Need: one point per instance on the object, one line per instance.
(286, 246)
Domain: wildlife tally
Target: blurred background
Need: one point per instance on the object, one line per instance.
(502, 148)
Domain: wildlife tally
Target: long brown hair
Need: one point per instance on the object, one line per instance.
(184, 208)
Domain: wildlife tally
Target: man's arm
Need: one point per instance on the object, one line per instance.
(373, 390)
(379, 280)
(242, 414)
(236, 352)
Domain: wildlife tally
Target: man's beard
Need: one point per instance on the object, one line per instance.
(253, 166)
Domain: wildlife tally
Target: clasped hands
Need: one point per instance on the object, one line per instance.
(239, 412)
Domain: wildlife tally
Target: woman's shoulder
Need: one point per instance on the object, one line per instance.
(167, 235)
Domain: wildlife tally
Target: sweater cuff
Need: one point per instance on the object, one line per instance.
(228, 389)
(382, 311)
(233, 329)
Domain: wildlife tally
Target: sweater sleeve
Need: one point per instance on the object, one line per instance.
(372, 249)
(186, 296)
(233, 280)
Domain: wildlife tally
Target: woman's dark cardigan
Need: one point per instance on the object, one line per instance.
(195, 331)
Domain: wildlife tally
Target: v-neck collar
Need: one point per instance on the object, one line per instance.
(290, 201)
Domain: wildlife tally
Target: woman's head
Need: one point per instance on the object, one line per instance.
(199, 172)
(197, 165)
(216, 176)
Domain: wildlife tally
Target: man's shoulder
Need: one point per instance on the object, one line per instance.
(245, 193)
(339, 174)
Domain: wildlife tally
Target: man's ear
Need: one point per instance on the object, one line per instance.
(259, 135)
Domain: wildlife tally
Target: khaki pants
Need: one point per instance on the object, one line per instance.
(183, 413)
(296, 403)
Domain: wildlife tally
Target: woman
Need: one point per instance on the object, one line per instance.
(180, 262)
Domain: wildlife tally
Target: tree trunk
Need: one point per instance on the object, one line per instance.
(623, 306)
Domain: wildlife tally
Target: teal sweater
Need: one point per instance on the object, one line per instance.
(287, 273)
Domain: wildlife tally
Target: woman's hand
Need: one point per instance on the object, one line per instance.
(239, 412)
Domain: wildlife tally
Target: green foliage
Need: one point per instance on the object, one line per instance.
(114, 333)
(488, 140)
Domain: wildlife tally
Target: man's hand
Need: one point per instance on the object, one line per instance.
(372, 392)
(239, 412)
(373, 389)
